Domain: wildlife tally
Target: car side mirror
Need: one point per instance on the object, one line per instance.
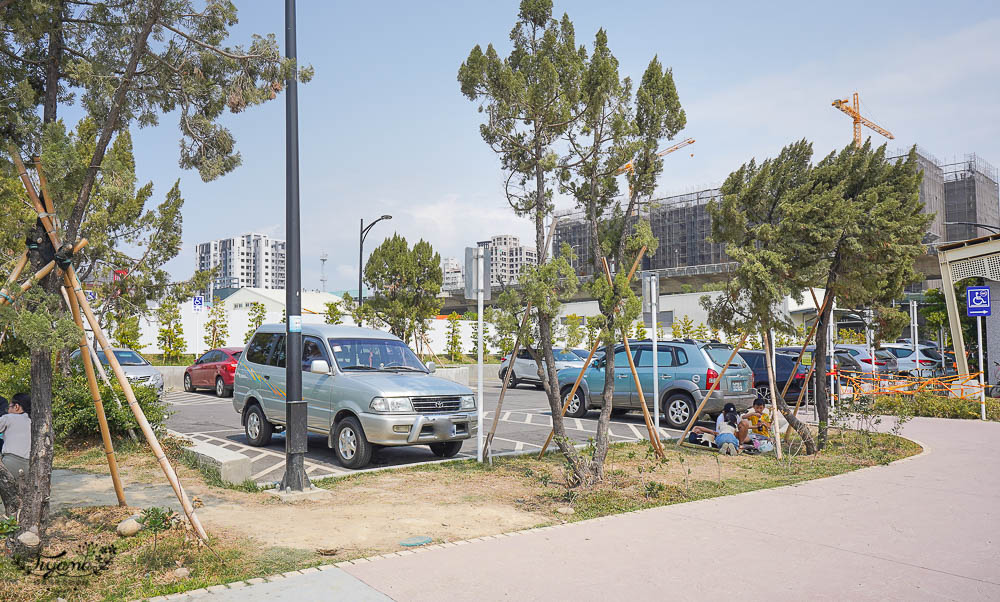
(319, 367)
(431, 367)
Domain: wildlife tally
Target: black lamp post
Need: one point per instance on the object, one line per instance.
(995, 229)
(361, 252)
(296, 435)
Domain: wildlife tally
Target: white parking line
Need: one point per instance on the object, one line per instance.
(516, 443)
(635, 430)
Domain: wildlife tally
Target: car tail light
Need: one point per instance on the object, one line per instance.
(503, 359)
(799, 375)
(710, 377)
(877, 363)
(231, 366)
(926, 362)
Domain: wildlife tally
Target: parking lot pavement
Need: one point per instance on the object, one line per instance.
(524, 424)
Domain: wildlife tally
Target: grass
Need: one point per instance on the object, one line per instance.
(186, 359)
(530, 489)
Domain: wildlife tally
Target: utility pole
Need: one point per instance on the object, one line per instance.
(296, 435)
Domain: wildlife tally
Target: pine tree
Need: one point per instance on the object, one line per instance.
(640, 331)
(593, 331)
(334, 314)
(574, 331)
(217, 327)
(256, 317)
(126, 332)
(473, 318)
(170, 337)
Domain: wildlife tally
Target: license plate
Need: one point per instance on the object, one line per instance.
(737, 386)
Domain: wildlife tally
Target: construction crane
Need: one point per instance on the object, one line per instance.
(629, 167)
(854, 112)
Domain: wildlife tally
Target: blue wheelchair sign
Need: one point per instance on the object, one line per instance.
(197, 303)
(977, 301)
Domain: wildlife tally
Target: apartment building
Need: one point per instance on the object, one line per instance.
(249, 260)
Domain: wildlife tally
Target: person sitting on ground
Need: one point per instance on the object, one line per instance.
(16, 429)
(742, 426)
(728, 444)
(760, 420)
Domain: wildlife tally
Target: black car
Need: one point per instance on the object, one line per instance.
(782, 372)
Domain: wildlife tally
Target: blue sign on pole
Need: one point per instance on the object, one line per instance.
(977, 301)
(197, 303)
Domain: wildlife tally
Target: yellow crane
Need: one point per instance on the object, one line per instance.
(854, 112)
(629, 167)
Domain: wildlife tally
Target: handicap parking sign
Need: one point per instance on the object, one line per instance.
(977, 301)
(198, 303)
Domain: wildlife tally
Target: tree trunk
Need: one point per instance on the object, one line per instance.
(800, 427)
(819, 360)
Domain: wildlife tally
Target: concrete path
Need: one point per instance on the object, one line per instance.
(926, 528)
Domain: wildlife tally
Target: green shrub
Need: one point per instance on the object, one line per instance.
(932, 405)
(73, 413)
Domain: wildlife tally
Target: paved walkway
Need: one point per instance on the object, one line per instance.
(926, 528)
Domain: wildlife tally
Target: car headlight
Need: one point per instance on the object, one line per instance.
(392, 404)
(468, 402)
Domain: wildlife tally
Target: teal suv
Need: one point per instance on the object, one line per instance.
(687, 369)
(363, 388)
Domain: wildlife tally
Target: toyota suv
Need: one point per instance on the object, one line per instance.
(363, 388)
(687, 369)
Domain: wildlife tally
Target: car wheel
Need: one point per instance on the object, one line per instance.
(220, 387)
(258, 429)
(187, 384)
(764, 393)
(678, 410)
(446, 450)
(350, 445)
(577, 407)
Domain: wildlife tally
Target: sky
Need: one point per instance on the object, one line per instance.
(384, 128)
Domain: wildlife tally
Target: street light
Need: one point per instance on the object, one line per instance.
(995, 229)
(361, 251)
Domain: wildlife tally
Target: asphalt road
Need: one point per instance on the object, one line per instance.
(525, 422)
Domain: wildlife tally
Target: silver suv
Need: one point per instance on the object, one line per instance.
(363, 387)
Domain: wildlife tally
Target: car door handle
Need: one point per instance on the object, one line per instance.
(267, 377)
(666, 376)
(623, 376)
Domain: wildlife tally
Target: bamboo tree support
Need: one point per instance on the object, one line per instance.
(506, 382)
(14, 274)
(715, 385)
(42, 273)
(572, 392)
(133, 404)
(798, 360)
(95, 395)
(768, 360)
(654, 437)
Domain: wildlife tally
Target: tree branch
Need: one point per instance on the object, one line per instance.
(215, 49)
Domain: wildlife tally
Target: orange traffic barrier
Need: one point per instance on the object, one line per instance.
(962, 386)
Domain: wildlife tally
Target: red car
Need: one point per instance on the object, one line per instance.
(215, 369)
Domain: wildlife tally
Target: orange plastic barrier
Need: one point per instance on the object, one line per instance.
(963, 386)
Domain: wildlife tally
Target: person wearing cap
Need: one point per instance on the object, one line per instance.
(16, 429)
(742, 426)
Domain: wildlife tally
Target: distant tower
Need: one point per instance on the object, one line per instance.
(322, 270)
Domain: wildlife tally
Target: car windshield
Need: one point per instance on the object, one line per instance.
(721, 353)
(581, 353)
(125, 358)
(931, 353)
(884, 355)
(566, 356)
(374, 354)
(236, 355)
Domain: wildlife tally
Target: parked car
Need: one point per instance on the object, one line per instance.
(850, 357)
(215, 369)
(782, 374)
(686, 371)
(922, 362)
(526, 370)
(137, 370)
(363, 387)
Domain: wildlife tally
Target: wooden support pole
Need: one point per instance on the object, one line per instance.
(768, 360)
(95, 393)
(798, 360)
(133, 404)
(14, 274)
(654, 437)
(42, 273)
(572, 392)
(506, 381)
(712, 389)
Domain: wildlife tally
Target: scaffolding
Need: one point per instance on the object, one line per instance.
(970, 195)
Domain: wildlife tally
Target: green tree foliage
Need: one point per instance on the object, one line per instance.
(574, 331)
(504, 322)
(170, 337)
(126, 332)
(757, 201)
(862, 228)
(256, 317)
(593, 331)
(334, 314)
(454, 345)
(683, 328)
(935, 310)
(473, 319)
(639, 332)
(217, 326)
(406, 282)
(127, 63)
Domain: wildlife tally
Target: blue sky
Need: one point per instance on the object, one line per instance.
(385, 129)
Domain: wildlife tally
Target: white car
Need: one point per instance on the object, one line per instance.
(526, 371)
(926, 361)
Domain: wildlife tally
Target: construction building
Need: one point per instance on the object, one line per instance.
(971, 196)
(247, 261)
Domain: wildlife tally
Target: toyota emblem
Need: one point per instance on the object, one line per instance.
(438, 404)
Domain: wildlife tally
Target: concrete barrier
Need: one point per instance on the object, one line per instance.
(459, 375)
(233, 467)
(173, 377)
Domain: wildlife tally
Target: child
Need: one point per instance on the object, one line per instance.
(728, 444)
(16, 429)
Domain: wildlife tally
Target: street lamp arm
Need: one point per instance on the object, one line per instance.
(984, 226)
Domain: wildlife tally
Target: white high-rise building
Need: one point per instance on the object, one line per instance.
(508, 256)
(454, 274)
(249, 260)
